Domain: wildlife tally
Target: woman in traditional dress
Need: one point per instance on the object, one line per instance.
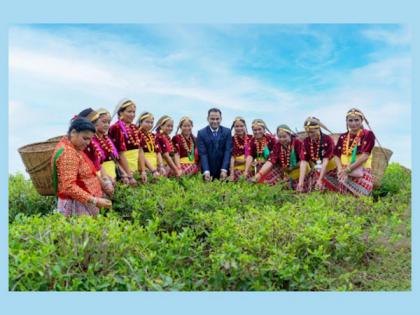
(353, 156)
(262, 144)
(124, 134)
(77, 185)
(287, 155)
(319, 154)
(164, 128)
(186, 152)
(102, 151)
(240, 148)
(150, 159)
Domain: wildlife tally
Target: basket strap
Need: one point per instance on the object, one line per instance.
(55, 175)
(380, 146)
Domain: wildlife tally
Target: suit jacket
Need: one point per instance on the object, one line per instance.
(214, 152)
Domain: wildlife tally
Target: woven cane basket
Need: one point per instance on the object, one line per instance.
(37, 160)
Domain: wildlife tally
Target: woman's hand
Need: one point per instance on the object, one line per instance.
(144, 177)
(107, 186)
(155, 173)
(319, 185)
(162, 171)
(103, 203)
(299, 187)
(125, 180)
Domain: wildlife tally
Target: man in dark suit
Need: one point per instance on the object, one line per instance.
(214, 147)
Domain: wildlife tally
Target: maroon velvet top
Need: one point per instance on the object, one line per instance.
(180, 146)
(241, 146)
(146, 137)
(281, 155)
(124, 137)
(101, 150)
(165, 143)
(270, 143)
(365, 143)
(311, 148)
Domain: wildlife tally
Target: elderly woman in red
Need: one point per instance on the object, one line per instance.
(186, 152)
(76, 183)
(240, 148)
(164, 128)
(318, 153)
(353, 156)
(150, 158)
(124, 134)
(287, 155)
(261, 145)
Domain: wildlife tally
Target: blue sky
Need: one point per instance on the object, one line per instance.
(278, 72)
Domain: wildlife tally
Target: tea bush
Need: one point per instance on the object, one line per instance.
(189, 235)
(23, 198)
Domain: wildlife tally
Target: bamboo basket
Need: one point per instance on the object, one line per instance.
(37, 160)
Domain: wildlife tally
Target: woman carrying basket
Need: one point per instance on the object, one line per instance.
(76, 183)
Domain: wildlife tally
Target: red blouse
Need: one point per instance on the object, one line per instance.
(281, 155)
(148, 142)
(124, 137)
(76, 174)
(270, 142)
(241, 145)
(311, 148)
(365, 143)
(184, 146)
(165, 143)
(101, 150)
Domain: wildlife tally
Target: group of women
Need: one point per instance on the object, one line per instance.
(94, 154)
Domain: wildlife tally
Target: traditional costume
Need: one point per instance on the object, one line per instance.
(315, 151)
(187, 149)
(260, 150)
(75, 180)
(126, 137)
(349, 148)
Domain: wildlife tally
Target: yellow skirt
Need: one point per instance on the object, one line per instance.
(240, 167)
(109, 167)
(186, 160)
(132, 157)
(151, 157)
(295, 173)
(345, 160)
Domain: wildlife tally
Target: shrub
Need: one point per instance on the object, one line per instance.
(23, 198)
(189, 235)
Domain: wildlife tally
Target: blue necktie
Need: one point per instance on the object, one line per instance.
(215, 134)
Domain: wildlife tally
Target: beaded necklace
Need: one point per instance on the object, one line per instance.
(285, 155)
(260, 145)
(347, 150)
(188, 145)
(102, 144)
(150, 140)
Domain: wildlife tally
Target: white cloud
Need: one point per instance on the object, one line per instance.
(52, 78)
(399, 37)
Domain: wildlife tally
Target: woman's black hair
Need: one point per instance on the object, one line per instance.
(85, 112)
(81, 124)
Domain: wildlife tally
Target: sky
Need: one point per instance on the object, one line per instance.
(281, 73)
